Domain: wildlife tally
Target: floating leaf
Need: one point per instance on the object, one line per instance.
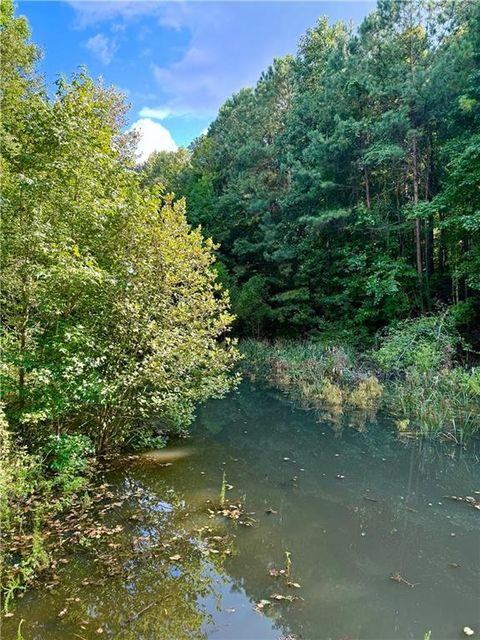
(279, 597)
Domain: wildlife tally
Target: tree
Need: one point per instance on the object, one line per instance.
(111, 313)
(330, 180)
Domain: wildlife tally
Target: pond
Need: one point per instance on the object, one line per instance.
(271, 523)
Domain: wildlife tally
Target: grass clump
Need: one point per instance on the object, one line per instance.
(313, 374)
(367, 394)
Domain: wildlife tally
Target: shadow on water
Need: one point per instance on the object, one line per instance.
(339, 510)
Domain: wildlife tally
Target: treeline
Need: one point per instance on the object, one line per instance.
(345, 187)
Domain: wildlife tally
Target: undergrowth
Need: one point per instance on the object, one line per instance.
(413, 373)
(35, 488)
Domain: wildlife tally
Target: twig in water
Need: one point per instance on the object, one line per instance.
(398, 578)
(137, 615)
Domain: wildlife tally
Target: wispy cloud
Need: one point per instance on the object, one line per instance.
(165, 112)
(191, 56)
(102, 47)
(153, 136)
(91, 12)
(159, 113)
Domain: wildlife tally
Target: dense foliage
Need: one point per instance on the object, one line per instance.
(114, 325)
(111, 310)
(345, 187)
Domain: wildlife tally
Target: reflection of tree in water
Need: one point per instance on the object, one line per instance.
(322, 520)
(144, 583)
(135, 590)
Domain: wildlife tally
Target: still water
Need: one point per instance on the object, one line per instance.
(331, 511)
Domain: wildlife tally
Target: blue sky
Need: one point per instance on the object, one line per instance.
(177, 61)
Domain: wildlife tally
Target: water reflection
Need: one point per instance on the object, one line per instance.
(350, 507)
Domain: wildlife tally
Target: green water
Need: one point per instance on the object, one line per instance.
(342, 546)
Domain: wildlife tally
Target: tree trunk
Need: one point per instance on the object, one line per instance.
(418, 228)
(367, 187)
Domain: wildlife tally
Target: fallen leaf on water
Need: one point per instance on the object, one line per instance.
(271, 511)
(279, 596)
(294, 584)
(175, 557)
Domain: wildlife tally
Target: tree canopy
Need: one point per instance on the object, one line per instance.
(344, 188)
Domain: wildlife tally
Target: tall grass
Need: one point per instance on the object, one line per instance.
(314, 375)
(443, 402)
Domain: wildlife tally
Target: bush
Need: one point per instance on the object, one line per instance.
(425, 344)
(111, 308)
(69, 455)
(366, 395)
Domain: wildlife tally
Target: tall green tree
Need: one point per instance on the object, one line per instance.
(343, 187)
(113, 321)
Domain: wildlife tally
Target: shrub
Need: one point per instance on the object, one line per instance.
(69, 455)
(425, 344)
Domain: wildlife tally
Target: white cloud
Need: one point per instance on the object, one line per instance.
(158, 113)
(153, 136)
(101, 47)
(166, 111)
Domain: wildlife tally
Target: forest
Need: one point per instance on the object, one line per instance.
(344, 187)
(322, 237)
(344, 192)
